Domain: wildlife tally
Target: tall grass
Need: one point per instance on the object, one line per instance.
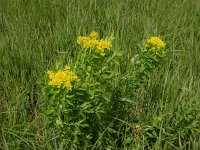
(33, 34)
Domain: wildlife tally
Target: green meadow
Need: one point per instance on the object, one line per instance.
(163, 115)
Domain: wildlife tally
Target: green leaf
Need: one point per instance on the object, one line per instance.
(85, 105)
(126, 100)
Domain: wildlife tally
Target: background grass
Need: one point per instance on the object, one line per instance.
(33, 33)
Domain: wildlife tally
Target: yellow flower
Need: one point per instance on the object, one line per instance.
(68, 85)
(100, 50)
(154, 43)
(82, 39)
(102, 45)
(51, 74)
(93, 35)
(92, 42)
(86, 45)
(105, 44)
(62, 78)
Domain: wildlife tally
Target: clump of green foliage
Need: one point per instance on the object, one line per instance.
(76, 110)
(78, 101)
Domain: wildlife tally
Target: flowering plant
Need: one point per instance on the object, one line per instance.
(62, 78)
(149, 57)
(92, 42)
(78, 100)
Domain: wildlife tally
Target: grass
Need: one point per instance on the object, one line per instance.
(34, 33)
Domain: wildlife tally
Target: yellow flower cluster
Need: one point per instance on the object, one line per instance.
(62, 78)
(92, 42)
(93, 35)
(155, 43)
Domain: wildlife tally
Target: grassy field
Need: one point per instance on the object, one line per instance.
(33, 33)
